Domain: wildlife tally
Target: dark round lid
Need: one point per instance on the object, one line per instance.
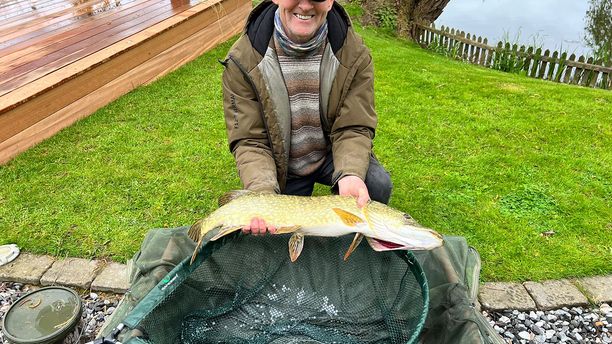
(45, 315)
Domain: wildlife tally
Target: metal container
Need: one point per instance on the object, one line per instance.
(44, 316)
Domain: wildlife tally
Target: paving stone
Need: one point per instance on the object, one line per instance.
(599, 288)
(498, 296)
(71, 272)
(26, 268)
(113, 278)
(555, 294)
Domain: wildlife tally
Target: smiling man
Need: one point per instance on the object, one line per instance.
(298, 91)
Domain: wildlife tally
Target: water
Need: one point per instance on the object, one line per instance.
(550, 24)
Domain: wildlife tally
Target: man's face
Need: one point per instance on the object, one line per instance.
(302, 18)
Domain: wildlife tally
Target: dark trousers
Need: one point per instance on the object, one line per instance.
(377, 180)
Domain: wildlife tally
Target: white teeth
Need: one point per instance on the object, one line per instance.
(303, 17)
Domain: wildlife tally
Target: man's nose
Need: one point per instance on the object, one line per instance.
(305, 4)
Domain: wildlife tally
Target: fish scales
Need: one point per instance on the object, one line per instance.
(282, 210)
(385, 227)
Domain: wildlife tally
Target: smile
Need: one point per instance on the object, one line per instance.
(303, 17)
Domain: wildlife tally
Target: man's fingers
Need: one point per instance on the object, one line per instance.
(363, 197)
(271, 229)
(258, 226)
(262, 226)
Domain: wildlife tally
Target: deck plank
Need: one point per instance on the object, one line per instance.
(37, 16)
(40, 19)
(54, 25)
(31, 103)
(20, 53)
(10, 9)
(37, 64)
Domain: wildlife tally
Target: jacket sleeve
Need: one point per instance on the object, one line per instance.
(246, 131)
(353, 129)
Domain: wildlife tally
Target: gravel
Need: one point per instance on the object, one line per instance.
(566, 325)
(96, 308)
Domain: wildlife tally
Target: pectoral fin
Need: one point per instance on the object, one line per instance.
(348, 218)
(356, 241)
(296, 243)
(195, 231)
(195, 235)
(223, 231)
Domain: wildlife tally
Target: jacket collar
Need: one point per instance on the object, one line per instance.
(260, 26)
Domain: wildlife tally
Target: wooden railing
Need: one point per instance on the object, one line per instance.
(556, 67)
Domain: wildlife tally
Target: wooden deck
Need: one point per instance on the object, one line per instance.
(61, 60)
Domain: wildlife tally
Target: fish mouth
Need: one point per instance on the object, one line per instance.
(427, 244)
(387, 245)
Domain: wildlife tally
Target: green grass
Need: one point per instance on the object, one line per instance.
(495, 157)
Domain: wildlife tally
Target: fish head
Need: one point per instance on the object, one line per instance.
(392, 230)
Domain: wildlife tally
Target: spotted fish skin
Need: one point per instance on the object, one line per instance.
(385, 228)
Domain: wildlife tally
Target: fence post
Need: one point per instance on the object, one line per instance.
(587, 74)
(596, 74)
(567, 77)
(536, 63)
(561, 67)
(543, 64)
(528, 58)
(478, 50)
(483, 56)
(521, 58)
(579, 71)
(515, 57)
(469, 48)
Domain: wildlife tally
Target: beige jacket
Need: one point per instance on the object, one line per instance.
(256, 104)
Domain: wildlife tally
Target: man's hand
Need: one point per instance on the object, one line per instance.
(354, 186)
(258, 226)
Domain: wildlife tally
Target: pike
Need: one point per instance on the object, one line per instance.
(384, 228)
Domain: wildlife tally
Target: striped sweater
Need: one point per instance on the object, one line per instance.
(308, 143)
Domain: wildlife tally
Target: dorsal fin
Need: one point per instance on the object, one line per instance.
(231, 195)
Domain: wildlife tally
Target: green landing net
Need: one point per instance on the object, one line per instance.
(244, 289)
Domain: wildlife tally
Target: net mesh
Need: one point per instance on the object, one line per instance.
(248, 291)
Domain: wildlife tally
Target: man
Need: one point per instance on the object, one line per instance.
(298, 93)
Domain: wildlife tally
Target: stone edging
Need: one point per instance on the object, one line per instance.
(112, 277)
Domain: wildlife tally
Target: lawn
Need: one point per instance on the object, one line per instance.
(522, 168)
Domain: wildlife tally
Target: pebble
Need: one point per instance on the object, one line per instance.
(565, 325)
(96, 308)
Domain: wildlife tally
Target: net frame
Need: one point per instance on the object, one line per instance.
(175, 278)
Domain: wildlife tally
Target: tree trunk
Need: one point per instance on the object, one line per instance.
(422, 11)
(425, 11)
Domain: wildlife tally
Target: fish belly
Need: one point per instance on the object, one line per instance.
(334, 230)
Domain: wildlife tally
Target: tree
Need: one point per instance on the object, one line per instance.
(398, 14)
(599, 29)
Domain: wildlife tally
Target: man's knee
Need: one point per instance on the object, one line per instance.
(378, 182)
